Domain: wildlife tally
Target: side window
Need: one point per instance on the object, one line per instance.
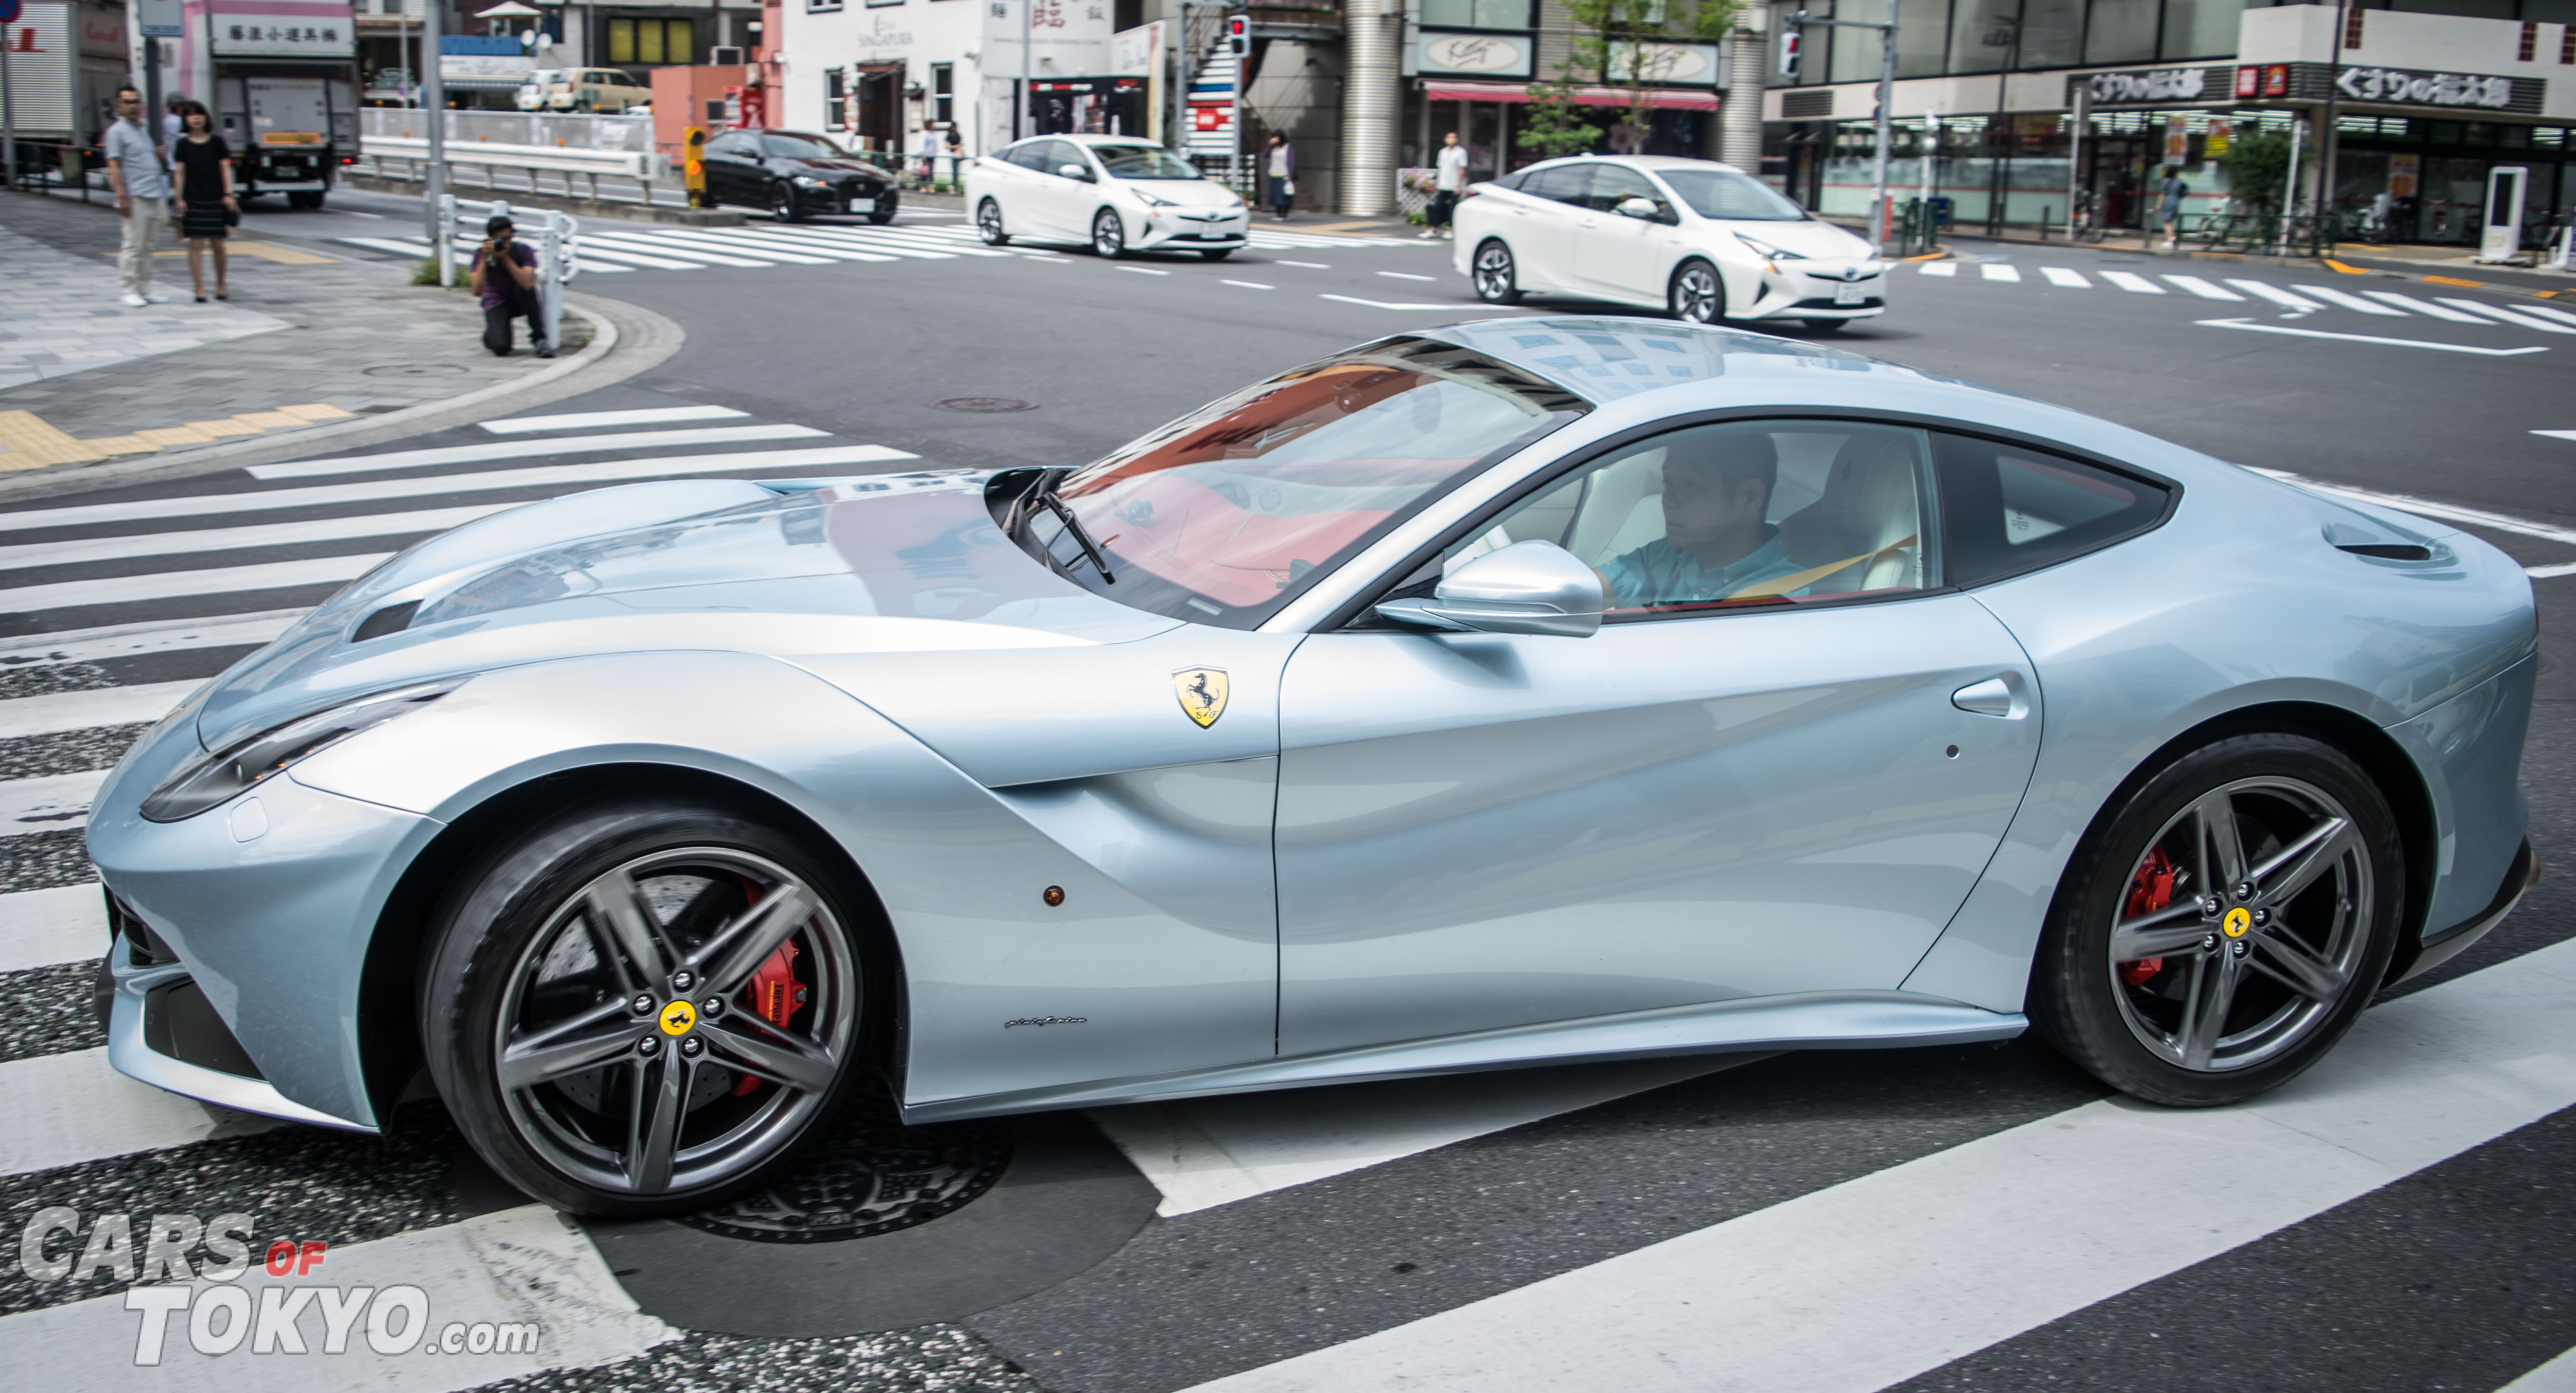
(729, 147)
(1613, 185)
(1739, 513)
(1060, 153)
(1566, 183)
(2010, 509)
(1029, 154)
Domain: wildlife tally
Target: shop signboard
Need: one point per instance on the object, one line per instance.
(1687, 65)
(1484, 55)
(2464, 92)
(2151, 86)
(282, 36)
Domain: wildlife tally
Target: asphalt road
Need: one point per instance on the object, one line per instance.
(1355, 1212)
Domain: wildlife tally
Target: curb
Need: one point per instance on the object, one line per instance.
(626, 339)
(579, 207)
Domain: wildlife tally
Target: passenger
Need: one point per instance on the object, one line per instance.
(1717, 487)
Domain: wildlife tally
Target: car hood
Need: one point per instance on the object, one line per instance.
(885, 564)
(1821, 240)
(1188, 193)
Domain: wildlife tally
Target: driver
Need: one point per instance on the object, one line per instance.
(1717, 486)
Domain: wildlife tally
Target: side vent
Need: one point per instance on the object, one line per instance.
(2387, 551)
(392, 619)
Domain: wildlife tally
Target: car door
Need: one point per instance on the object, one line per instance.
(1719, 795)
(1031, 209)
(1618, 255)
(733, 166)
(1542, 240)
(1068, 202)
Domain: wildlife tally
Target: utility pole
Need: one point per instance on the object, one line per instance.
(1878, 206)
(8, 113)
(434, 101)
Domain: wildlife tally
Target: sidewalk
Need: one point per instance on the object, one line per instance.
(308, 342)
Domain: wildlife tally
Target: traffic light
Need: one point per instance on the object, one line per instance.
(693, 165)
(1789, 43)
(1238, 35)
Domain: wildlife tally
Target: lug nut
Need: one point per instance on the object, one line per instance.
(649, 1046)
(712, 1007)
(691, 1046)
(2210, 905)
(2208, 941)
(2238, 947)
(642, 1005)
(2262, 917)
(2245, 890)
(682, 981)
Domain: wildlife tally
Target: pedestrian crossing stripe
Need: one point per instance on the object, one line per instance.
(2305, 299)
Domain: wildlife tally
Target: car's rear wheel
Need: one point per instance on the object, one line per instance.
(1495, 275)
(2226, 925)
(988, 224)
(1697, 294)
(1215, 253)
(782, 202)
(642, 1005)
(1108, 234)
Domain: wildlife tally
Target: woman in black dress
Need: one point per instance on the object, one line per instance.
(206, 206)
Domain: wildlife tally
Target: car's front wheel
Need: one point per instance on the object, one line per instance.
(988, 224)
(883, 213)
(1496, 277)
(2226, 925)
(1698, 294)
(782, 202)
(1215, 253)
(1108, 234)
(641, 1006)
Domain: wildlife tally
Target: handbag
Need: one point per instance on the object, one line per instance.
(1288, 187)
(232, 217)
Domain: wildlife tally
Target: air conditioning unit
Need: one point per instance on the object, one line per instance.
(725, 57)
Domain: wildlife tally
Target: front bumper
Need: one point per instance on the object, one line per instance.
(1801, 290)
(1164, 232)
(838, 197)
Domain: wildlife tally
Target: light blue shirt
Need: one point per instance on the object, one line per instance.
(1660, 573)
(131, 145)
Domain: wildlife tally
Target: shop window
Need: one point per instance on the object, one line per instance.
(943, 92)
(2122, 31)
(835, 88)
(2052, 34)
(1985, 35)
(2200, 29)
(1476, 14)
(1922, 34)
(649, 41)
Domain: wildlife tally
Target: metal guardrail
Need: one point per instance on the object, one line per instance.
(542, 130)
(61, 164)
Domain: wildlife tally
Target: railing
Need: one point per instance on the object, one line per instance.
(528, 129)
(558, 254)
(1918, 226)
(61, 164)
(2264, 234)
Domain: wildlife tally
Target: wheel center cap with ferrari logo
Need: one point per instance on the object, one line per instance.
(678, 1017)
(2236, 923)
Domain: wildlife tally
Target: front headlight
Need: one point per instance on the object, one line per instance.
(217, 777)
(808, 181)
(1765, 249)
(1152, 201)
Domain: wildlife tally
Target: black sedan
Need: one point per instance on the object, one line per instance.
(795, 175)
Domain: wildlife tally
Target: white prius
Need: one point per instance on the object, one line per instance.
(1702, 240)
(1118, 193)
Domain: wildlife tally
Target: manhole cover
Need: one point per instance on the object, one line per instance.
(869, 1175)
(413, 370)
(985, 404)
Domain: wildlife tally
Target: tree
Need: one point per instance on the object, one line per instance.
(1636, 43)
(2258, 164)
(1556, 125)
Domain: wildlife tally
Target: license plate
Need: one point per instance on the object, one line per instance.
(863, 205)
(1850, 294)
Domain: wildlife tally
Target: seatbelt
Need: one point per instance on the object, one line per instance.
(1797, 580)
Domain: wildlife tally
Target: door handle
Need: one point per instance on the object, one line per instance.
(1996, 696)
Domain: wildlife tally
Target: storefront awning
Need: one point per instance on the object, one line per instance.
(1671, 99)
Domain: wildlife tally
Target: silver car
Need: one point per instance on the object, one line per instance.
(1508, 693)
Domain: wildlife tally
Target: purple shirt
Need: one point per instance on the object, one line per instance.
(493, 284)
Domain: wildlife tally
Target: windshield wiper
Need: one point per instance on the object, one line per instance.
(1041, 494)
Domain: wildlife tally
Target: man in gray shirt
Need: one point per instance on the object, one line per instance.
(142, 186)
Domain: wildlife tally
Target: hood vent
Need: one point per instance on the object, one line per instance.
(392, 619)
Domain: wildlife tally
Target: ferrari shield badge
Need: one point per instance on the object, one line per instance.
(1202, 693)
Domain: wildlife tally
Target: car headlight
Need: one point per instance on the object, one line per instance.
(1152, 201)
(808, 181)
(1765, 249)
(245, 763)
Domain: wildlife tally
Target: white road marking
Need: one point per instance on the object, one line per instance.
(150, 636)
(2403, 302)
(1405, 276)
(236, 538)
(762, 242)
(2547, 312)
(1940, 268)
(2204, 289)
(56, 800)
(2563, 568)
(398, 246)
(521, 449)
(2348, 301)
(649, 248)
(542, 476)
(39, 928)
(2066, 276)
(171, 585)
(107, 706)
(2278, 296)
(585, 420)
(1206, 1152)
(692, 242)
(2133, 283)
(1142, 271)
(2366, 338)
(589, 253)
(1999, 271)
(2506, 316)
(1309, 265)
(64, 1109)
(1249, 285)
(902, 239)
(1979, 1243)
(2451, 512)
(522, 1266)
(1383, 305)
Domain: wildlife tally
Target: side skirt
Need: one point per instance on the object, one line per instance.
(1811, 1020)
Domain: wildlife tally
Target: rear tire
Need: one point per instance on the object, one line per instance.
(988, 224)
(2184, 973)
(543, 951)
(1496, 275)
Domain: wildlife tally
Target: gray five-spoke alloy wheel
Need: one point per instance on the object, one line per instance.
(1108, 234)
(1698, 296)
(1495, 276)
(988, 223)
(677, 1022)
(2246, 926)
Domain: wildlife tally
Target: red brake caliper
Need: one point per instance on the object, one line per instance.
(2152, 890)
(773, 994)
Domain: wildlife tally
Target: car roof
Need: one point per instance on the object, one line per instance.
(1646, 162)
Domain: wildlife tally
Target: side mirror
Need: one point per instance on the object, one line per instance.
(1528, 587)
(1639, 207)
(1074, 171)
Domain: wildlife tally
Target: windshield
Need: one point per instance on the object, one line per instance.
(1143, 162)
(1724, 193)
(1226, 514)
(780, 145)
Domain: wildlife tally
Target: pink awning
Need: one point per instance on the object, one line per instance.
(1675, 98)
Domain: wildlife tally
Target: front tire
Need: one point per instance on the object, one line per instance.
(1826, 326)
(988, 224)
(2226, 925)
(1108, 234)
(641, 1005)
(782, 204)
(1215, 253)
(1697, 294)
(881, 216)
(1495, 274)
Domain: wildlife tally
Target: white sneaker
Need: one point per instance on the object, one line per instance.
(1428, 233)
(133, 300)
(154, 297)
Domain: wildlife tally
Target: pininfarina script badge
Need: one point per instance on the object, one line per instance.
(1202, 693)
